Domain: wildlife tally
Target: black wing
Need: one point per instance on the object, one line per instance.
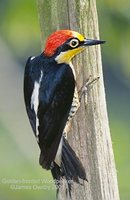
(28, 90)
(55, 99)
(31, 75)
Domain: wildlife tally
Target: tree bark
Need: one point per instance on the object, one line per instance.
(90, 134)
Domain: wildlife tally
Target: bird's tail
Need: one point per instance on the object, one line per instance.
(71, 168)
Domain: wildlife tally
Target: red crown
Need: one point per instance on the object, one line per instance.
(55, 40)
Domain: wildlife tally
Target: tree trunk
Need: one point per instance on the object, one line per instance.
(90, 134)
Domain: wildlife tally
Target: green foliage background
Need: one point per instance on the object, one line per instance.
(19, 30)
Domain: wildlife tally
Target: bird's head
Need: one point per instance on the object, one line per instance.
(63, 45)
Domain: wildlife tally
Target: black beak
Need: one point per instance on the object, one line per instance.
(89, 42)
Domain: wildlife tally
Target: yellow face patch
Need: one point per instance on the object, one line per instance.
(78, 35)
(65, 57)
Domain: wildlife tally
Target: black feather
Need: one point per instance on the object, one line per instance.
(55, 99)
(71, 168)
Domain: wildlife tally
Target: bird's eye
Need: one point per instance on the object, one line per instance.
(74, 43)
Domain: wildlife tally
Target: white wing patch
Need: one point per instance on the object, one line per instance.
(35, 99)
(59, 153)
(32, 57)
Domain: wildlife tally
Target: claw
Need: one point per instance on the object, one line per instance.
(84, 88)
(65, 135)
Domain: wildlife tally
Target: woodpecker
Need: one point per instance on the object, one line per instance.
(51, 100)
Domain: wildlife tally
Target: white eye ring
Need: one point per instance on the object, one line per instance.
(74, 43)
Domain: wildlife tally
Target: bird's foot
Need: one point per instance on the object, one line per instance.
(84, 89)
(65, 135)
(67, 129)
